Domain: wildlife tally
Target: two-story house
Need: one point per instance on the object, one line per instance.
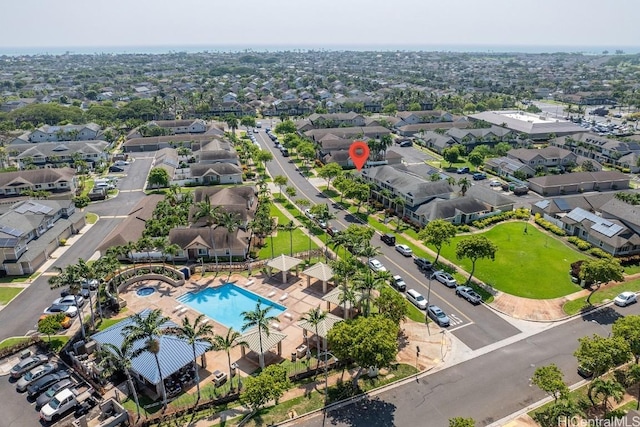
(547, 157)
(180, 126)
(48, 133)
(416, 117)
(333, 120)
(61, 180)
(32, 229)
(47, 154)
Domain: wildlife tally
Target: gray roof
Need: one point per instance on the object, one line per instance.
(217, 169)
(525, 126)
(36, 176)
(269, 339)
(349, 132)
(67, 148)
(550, 152)
(629, 214)
(283, 262)
(445, 209)
(174, 352)
(200, 237)
(323, 327)
(405, 182)
(320, 271)
(216, 155)
(579, 178)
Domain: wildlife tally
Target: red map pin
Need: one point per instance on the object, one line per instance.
(359, 153)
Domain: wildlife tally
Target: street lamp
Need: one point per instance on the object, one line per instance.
(602, 326)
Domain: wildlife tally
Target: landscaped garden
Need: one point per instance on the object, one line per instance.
(529, 263)
(282, 240)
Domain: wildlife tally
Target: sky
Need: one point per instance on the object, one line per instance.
(318, 24)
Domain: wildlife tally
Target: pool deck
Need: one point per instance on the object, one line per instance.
(300, 298)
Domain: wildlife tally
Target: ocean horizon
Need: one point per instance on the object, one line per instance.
(165, 49)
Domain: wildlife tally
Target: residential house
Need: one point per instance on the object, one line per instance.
(48, 133)
(552, 209)
(578, 182)
(155, 143)
(180, 126)
(217, 156)
(374, 132)
(416, 117)
(622, 153)
(421, 128)
(471, 138)
(54, 154)
(545, 158)
(62, 180)
(230, 97)
(215, 173)
(507, 166)
(32, 229)
(334, 120)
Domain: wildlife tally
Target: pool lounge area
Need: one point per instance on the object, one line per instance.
(225, 304)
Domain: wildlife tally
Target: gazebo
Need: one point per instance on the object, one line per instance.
(333, 297)
(270, 340)
(323, 327)
(284, 263)
(320, 271)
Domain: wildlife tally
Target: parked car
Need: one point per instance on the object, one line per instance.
(116, 169)
(417, 299)
(322, 223)
(332, 231)
(34, 375)
(406, 143)
(78, 300)
(463, 170)
(83, 292)
(398, 283)
(308, 214)
(437, 315)
(91, 284)
(469, 294)
(37, 387)
(495, 183)
(404, 250)
(376, 265)
(66, 322)
(626, 298)
(285, 152)
(45, 397)
(479, 176)
(584, 372)
(445, 278)
(423, 263)
(69, 310)
(27, 364)
(389, 239)
(120, 163)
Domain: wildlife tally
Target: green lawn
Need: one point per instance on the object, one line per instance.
(282, 242)
(606, 292)
(12, 341)
(532, 265)
(91, 218)
(7, 294)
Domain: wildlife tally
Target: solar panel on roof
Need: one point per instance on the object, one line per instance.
(11, 231)
(562, 204)
(608, 229)
(8, 243)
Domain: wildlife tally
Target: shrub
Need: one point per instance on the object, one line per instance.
(463, 228)
(626, 261)
(549, 226)
(599, 253)
(519, 213)
(579, 243)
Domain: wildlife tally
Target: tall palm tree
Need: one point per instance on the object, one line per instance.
(290, 227)
(367, 283)
(368, 251)
(210, 213)
(343, 270)
(464, 184)
(315, 316)
(226, 344)
(69, 277)
(399, 203)
(118, 359)
(260, 319)
(193, 334)
(87, 273)
(149, 329)
(231, 222)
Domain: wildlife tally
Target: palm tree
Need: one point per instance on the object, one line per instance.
(227, 343)
(69, 277)
(172, 250)
(315, 316)
(367, 283)
(343, 269)
(210, 213)
(260, 319)
(118, 359)
(87, 273)
(197, 332)
(368, 251)
(464, 184)
(399, 203)
(290, 227)
(607, 389)
(149, 329)
(231, 221)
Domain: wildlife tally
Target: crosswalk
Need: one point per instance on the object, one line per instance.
(455, 320)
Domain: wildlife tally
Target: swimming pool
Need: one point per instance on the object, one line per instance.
(226, 303)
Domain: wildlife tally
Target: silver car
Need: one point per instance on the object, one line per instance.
(445, 278)
(33, 375)
(438, 316)
(27, 364)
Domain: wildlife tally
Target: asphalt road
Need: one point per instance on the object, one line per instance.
(475, 326)
(487, 388)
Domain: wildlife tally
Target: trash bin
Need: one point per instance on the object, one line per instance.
(293, 356)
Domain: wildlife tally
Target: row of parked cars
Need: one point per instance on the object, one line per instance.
(70, 304)
(274, 138)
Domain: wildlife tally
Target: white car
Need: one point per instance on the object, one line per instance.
(495, 183)
(445, 278)
(70, 300)
(69, 310)
(308, 214)
(376, 265)
(625, 298)
(404, 250)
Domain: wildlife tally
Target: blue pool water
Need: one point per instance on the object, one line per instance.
(226, 303)
(145, 292)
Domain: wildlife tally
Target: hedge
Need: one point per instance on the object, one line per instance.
(547, 225)
(579, 243)
(599, 253)
(519, 213)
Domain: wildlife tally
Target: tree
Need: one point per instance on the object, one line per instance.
(69, 277)
(49, 325)
(158, 177)
(232, 122)
(368, 341)
(550, 379)
(633, 378)
(329, 172)
(599, 271)
(437, 233)
(194, 333)
(280, 181)
(269, 385)
(248, 121)
(118, 359)
(451, 155)
(306, 151)
(287, 126)
(231, 222)
(227, 343)
(210, 213)
(291, 191)
(149, 329)
(628, 328)
(260, 319)
(262, 157)
(476, 158)
(606, 389)
(290, 227)
(315, 316)
(461, 422)
(598, 354)
(474, 248)
(464, 184)
(392, 305)
(399, 203)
